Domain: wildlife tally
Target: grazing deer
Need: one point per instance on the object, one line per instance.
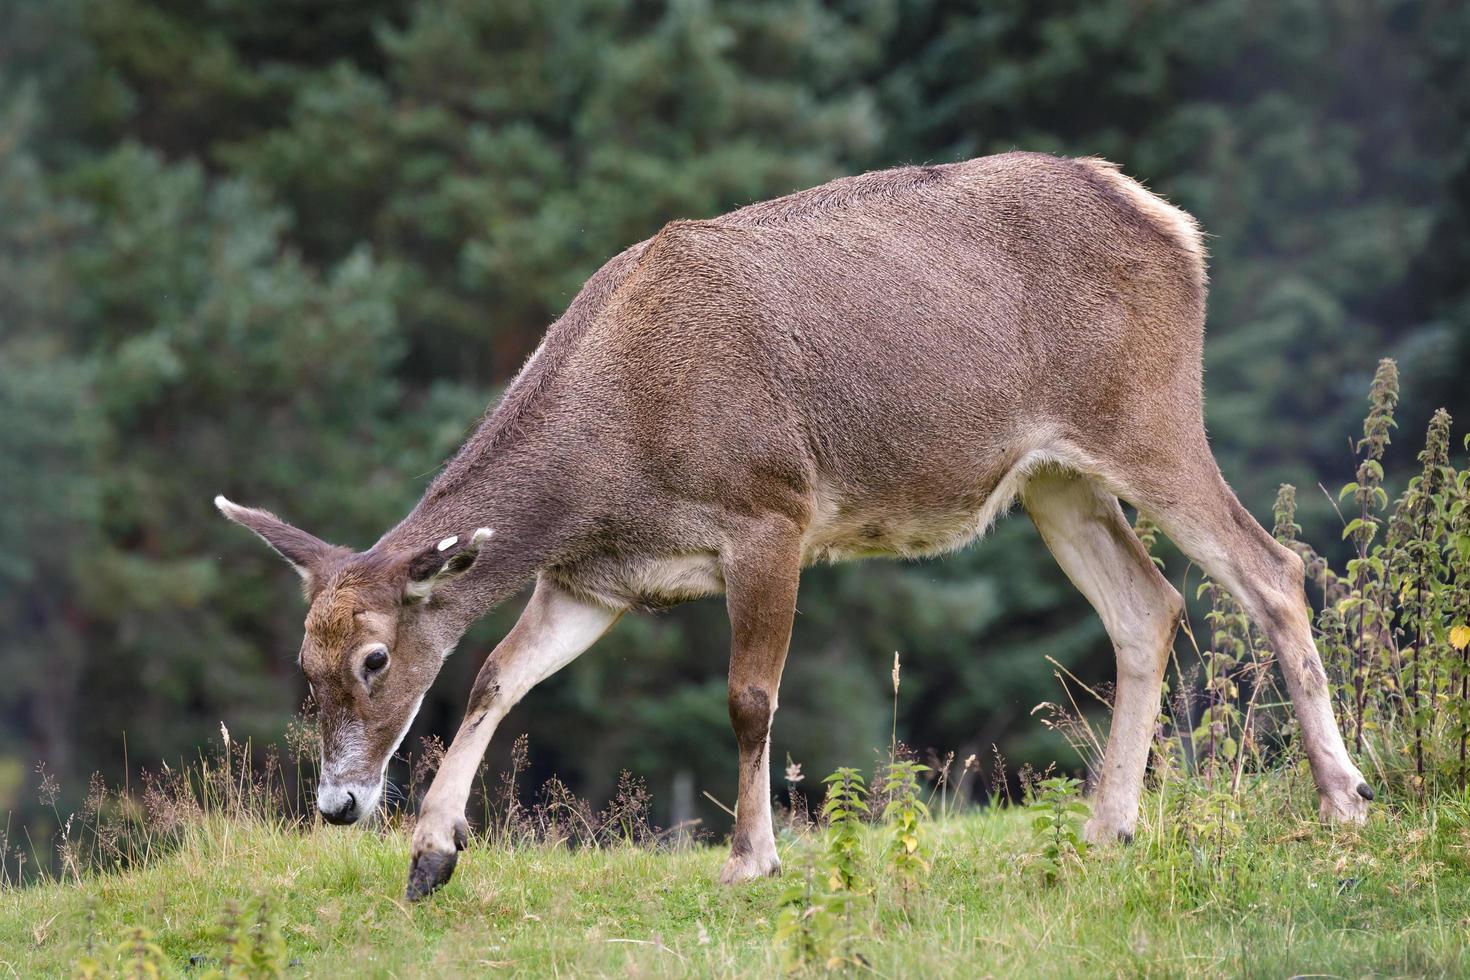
(877, 366)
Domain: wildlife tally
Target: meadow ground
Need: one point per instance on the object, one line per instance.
(1207, 889)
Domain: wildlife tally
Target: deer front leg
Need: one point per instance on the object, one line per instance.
(552, 632)
(760, 583)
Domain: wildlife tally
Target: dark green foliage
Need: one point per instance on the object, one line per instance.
(289, 252)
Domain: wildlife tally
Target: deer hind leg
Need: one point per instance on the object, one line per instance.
(761, 579)
(554, 630)
(1085, 529)
(1208, 523)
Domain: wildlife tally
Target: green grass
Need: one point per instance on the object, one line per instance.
(1270, 894)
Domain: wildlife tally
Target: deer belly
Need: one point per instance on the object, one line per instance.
(650, 583)
(920, 536)
(840, 531)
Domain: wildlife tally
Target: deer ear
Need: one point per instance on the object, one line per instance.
(443, 563)
(306, 553)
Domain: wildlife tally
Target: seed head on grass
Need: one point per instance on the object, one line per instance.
(893, 740)
(50, 789)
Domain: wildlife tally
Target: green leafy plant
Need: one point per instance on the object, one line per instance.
(808, 931)
(247, 939)
(904, 815)
(1057, 824)
(844, 809)
(817, 923)
(1394, 628)
(1362, 618)
(89, 965)
(251, 942)
(139, 955)
(1209, 823)
(1215, 743)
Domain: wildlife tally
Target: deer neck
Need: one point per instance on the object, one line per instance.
(523, 492)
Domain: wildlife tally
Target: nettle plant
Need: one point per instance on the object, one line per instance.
(1392, 626)
(247, 944)
(819, 920)
(831, 905)
(1057, 823)
(904, 814)
(1394, 629)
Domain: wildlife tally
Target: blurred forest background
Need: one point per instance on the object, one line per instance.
(289, 250)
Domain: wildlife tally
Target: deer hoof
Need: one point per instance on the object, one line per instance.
(1349, 806)
(748, 867)
(429, 872)
(1101, 833)
(434, 858)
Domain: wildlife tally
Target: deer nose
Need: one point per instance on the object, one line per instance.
(341, 810)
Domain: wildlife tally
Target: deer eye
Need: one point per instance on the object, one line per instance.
(375, 661)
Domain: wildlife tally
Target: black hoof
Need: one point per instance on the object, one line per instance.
(1365, 791)
(1126, 836)
(429, 872)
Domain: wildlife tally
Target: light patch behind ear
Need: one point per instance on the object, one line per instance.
(442, 563)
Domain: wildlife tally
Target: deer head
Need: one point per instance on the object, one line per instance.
(377, 631)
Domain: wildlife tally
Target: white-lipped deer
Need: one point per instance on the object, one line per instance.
(877, 366)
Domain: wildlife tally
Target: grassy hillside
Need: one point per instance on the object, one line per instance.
(1207, 889)
(226, 873)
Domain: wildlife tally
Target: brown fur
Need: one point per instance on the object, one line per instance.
(875, 366)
